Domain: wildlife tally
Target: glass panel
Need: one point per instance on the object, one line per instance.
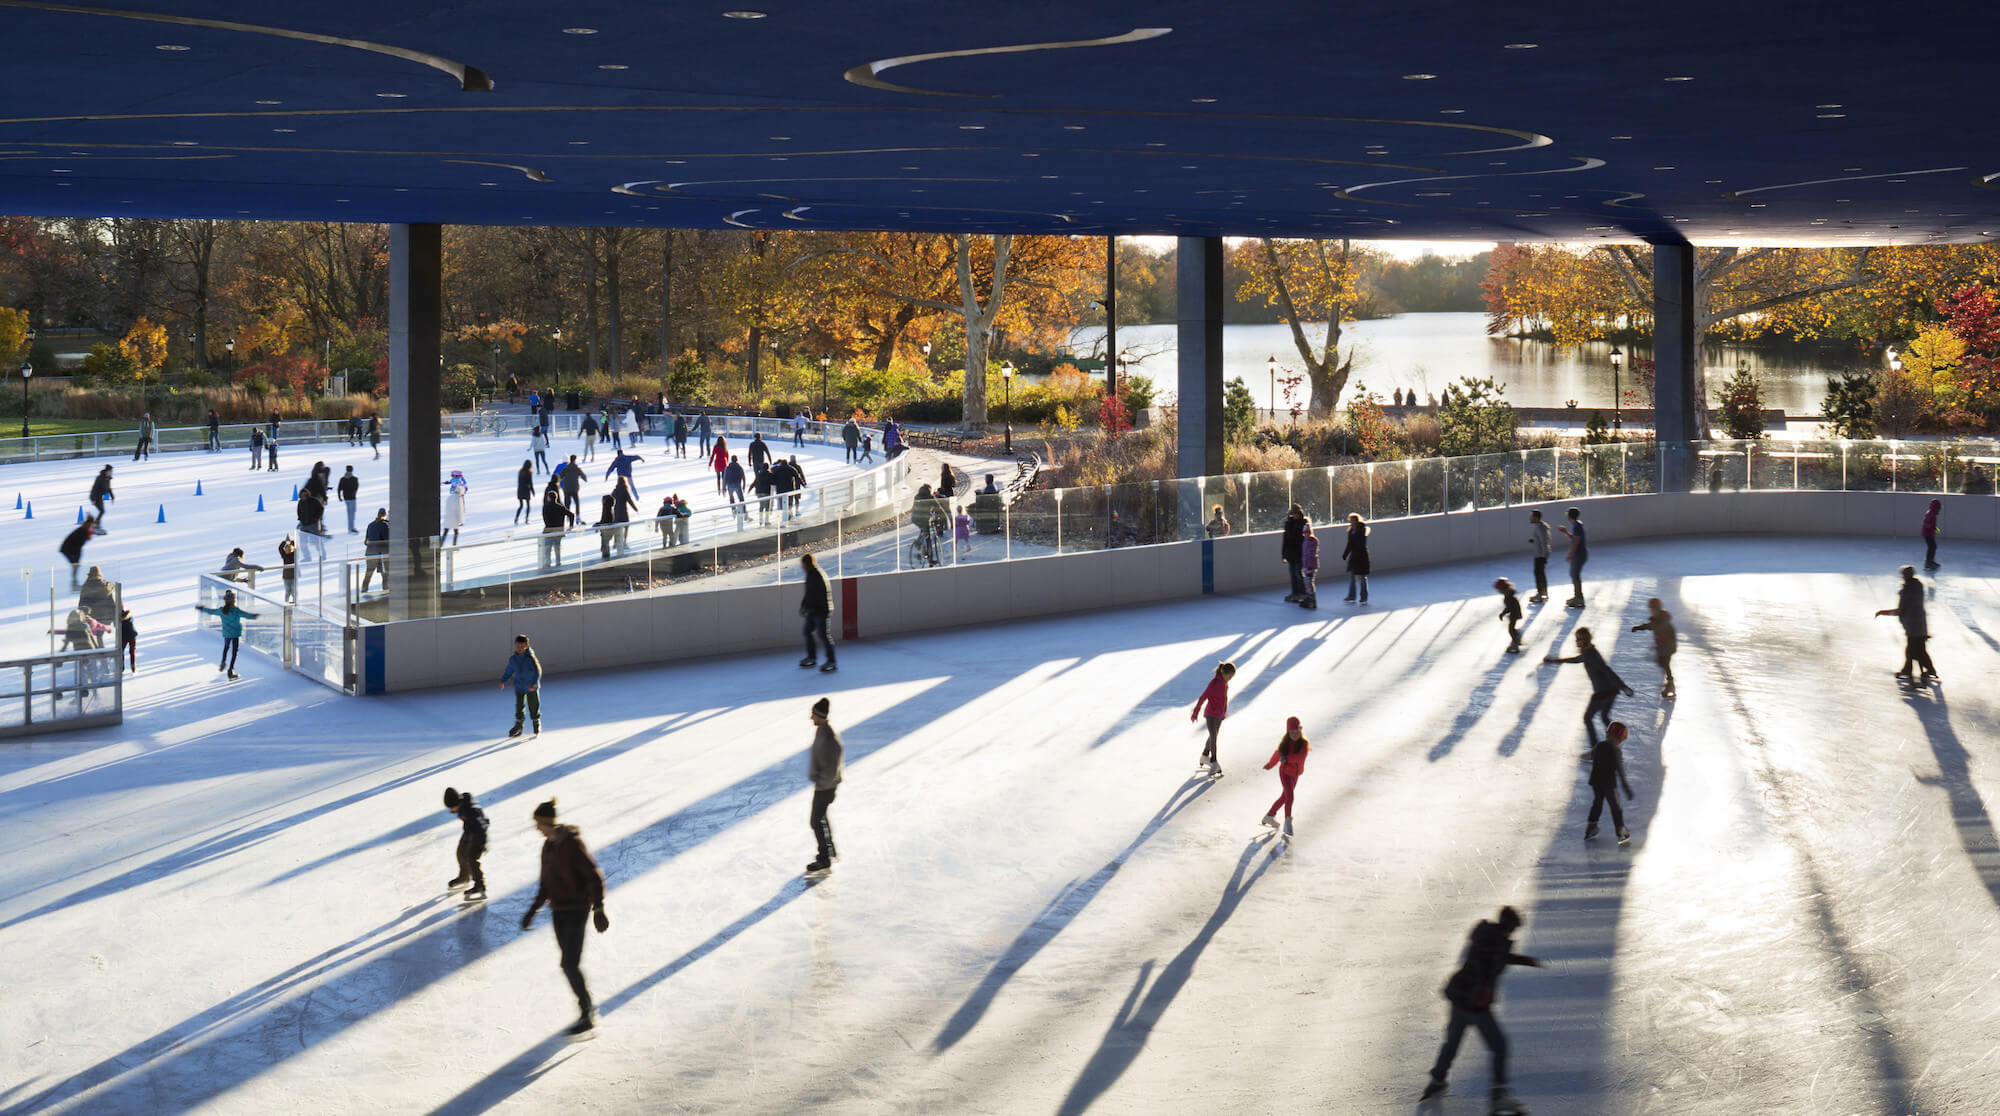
(1225, 496)
(1086, 519)
(1312, 490)
(1768, 465)
(1035, 525)
(1868, 467)
(1350, 492)
(1270, 499)
(1719, 468)
(1389, 484)
(1815, 466)
(1461, 483)
(1426, 486)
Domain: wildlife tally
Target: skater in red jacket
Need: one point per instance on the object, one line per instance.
(1290, 760)
(1216, 698)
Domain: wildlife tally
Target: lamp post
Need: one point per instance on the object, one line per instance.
(496, 369)
(825, 365)
(1617, 390)
(556, 334)
(1007, 397)
(230, 347)
(27, 371)
(1124, 360)
(1271, 366)
(193, 353)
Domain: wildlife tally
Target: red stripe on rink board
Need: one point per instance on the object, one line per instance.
(850, 609)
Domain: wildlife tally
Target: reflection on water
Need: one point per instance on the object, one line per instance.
(1426, 351)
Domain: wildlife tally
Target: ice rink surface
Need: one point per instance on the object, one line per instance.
(236, 902)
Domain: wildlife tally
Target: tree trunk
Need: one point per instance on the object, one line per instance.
(613, 239)
(666, 302)
(753, 379)
(590, 300)
(979, 324)
(892, 332)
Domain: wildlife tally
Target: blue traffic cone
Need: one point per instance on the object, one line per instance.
(260, 502)
(31, 510)
(197, 488)
(163, 514)
(79, 513)
(295, 492)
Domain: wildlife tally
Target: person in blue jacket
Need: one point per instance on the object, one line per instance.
(232, 629)
(524, 670)
(621, 464)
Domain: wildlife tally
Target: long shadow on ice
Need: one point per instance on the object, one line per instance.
(1057, 915)
(1968, 809)
(1137, 1017)
(206, 1055)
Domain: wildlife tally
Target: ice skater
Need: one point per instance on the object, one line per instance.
(824, 769)
(349, 491)
(288, 566)
(524, 493)
(1290, 760)
(1607, 774)
(524, 670)
(1308, 565)
(375, 550)
(471, 843)
(271, 452)
(1216, 698)
(375, 435)
(1605, 685)
(128, 638)
(146, 431)
(1510, 611)
(588, 433)
(232, 629)
(1666, 640)
(1930, 533)
(1489, 949)
(1356, 553)
(718, 460)
(621, 464)
(1538, 541)
(100, 491)
(680, 435)
(1916, 629)
(72, 545)
(573, 887)
(1579, 553)
(456, 490)
(816, 606)
(1291, 550)
(538, 446)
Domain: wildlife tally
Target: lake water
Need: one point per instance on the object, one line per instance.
(1424, 352)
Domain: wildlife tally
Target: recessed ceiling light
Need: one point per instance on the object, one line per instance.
(1833, 116)
(64, 170)
(579, 30)
(972, 127)
(1451, 112)
(1072, 127)
(1521, 46)
(749, 15)
(170, 46)
(1663, 168)
(1031, 154)
(489, 184)
(1850, 170)
(579, 143)
(270, 102)
(186, 143)
(1418, 77)
(1051, 176)
(613, 66)
(1714, 181)
(393, 96)
(402, 189)
(1842, 201)
(1204, 100)
(284, 131)
(781, 139)
(912, 168)
(777, 158)
(675, 162)
(1190, 166)
(340, 199)
(1829, 106)
(1682, 78)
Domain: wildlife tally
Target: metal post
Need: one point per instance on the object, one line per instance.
(1198, 283)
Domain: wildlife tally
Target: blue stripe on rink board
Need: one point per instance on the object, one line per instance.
(1208, 567)
(372, 665)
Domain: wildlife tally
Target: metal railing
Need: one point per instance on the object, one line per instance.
(61, 691)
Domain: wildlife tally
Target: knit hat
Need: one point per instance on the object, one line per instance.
(822, 707)
(1616, 730)
(1292, 724)
(451, 798)
(546, 812)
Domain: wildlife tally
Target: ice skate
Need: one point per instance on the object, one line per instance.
(819, 869)
(1288, 827)
(808, 661)
(456, 883)
(1504, 1104)
(232, 676)
(1292, 598)
(538, 728)
(1214, 769)
(516, 730)
(1573, 602)
(475, 894)
(1538, 598)
(583, 1028)
(1271, 820)
(1590, 831)
(1624, 835)
(829, 667)
(1433, 1090)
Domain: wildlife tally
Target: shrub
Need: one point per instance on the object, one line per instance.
(291, 374)
(1239, 412)
(1137, 391)
(1476, 418)
(110, 365)
(1849, 406)
(1742, 412)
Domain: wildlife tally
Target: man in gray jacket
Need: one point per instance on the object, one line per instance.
(146, 431)
(824, 770)
(1538, 541)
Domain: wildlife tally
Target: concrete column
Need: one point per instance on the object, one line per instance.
(1676, 351)
(416, 302)
(1198, 280)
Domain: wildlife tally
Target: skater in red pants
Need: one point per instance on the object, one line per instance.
(1216, 698)
(1290, 760)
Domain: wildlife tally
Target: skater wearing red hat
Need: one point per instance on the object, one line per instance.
(1290, 760)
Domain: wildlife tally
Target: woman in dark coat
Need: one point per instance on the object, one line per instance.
(524, 493)
(1292, 550)
(1356, 553)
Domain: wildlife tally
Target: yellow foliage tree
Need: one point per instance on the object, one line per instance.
(1308, 282)
(1932, 364)
(13, 334)
(146, 344)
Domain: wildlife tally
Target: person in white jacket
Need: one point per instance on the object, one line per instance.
(454, 507)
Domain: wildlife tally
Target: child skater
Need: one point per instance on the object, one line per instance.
(1216, 698)
(1607, 772)
(1290, 760)
(1605, 685)
(232, 629)
(1309, 555)
(1510, 611)
(1660, 622)
(471, 843)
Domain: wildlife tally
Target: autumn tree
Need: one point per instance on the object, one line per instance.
(145, 344)
(1307, 282)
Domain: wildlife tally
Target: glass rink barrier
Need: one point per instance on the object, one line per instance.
(64, 690)
(290, 634)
